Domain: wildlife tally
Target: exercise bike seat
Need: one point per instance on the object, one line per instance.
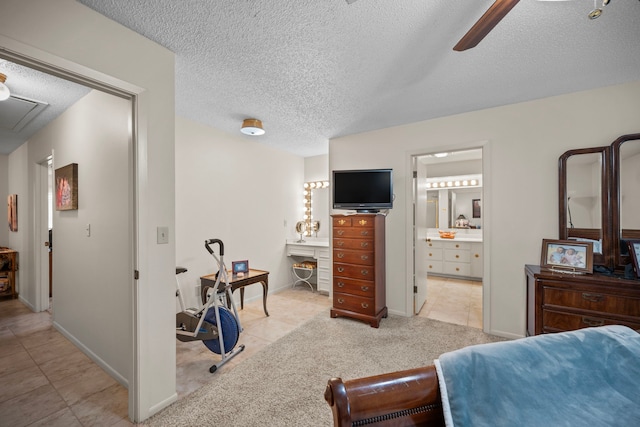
(180, 270)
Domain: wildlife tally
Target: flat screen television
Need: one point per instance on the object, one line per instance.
(363, 190)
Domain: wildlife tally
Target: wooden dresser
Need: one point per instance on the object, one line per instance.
(559, 302)
(8, 268)
(359, 267)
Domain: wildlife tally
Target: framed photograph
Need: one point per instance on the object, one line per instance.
(634, 252)
(240, 267)
(567, 255)
(475, 207)
(67, 188)
(12, 212)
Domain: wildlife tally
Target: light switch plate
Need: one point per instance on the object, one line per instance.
(163, 235)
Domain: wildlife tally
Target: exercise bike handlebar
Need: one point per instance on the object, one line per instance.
(209, 242)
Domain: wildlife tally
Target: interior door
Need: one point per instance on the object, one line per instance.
(419, 235)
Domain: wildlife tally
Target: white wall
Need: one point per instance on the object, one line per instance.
(520, 163)
(70, 36)
(235, 189)
(18, 183)
(4, 192)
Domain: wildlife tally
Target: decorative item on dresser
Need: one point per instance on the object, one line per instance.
(359, 267)
(559, 302)
(8, 268)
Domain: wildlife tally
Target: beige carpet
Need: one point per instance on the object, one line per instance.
(283, 385)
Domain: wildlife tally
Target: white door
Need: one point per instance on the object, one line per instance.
(43, 220)
(419, 234)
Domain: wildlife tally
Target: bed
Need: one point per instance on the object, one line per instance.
(588, 377)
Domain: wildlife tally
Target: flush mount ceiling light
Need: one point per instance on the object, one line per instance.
(4, 90)
(252, 127)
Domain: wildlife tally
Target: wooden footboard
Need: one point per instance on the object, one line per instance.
(402, 398)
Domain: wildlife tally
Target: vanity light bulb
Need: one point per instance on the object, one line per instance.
(305, 192)
(465, 182)
(428, 185)
(457, 183)
(474, 182)
(306, 185)
(442, 184)
(449, 184)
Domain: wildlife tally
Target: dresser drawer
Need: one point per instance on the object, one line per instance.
(434, 254)
(457, 245)
(353, 244)
(353, 233)
(343, 221)
(361, 272)
(434, 244)
(553, 321)
(353, 257)
(457, 268)
(354, 287)
(457, 255)
(593, 301)
(434, 266)
(355, 303)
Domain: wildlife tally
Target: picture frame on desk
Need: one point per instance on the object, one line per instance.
(634, 252)
(567, 255)
(240, 267)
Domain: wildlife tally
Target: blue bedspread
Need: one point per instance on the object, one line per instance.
(589, 377)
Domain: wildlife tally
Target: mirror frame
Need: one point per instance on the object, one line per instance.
(606, 257)
(620, 261)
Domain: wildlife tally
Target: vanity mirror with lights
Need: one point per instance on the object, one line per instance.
(599, 202)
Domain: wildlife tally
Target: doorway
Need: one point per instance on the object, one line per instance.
(448, 273)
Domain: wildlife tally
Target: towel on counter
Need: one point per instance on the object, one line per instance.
(588, 377)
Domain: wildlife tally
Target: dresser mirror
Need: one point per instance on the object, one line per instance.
(626, 198)
(584, 195)
(599, 199)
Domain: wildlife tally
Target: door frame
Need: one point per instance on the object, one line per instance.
(41, 181)
(28, 56)
(485, 146)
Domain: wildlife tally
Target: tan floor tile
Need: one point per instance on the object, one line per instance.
(15, 361)
(104, 408)
(82, 384)
(62, 418)
(58, 347)
(29, 407)
(65, 366)
(21, 382)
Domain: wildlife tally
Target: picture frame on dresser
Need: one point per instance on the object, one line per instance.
(634, 251)
(567, 255)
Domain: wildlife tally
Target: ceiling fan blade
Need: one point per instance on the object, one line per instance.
(485, 24)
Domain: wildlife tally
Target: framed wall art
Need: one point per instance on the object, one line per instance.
(67, 187)
(570, 255)
(476, 206)
(12, 212)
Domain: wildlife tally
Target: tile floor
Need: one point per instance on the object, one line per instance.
(453, 301)
(46, 381)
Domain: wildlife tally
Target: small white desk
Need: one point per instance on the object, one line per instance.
(317, 249)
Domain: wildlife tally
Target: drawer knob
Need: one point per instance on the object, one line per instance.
(592, 297)
(340, 232)
(363, 222)
(430, 244)
(430, 266)
(457, 256)
(457, 269)
(340, 255)
(364, 257)
(364, 305)
(340, 300)
(364, 272)
(342, 222)
(430, 254)
(364, 288)
(364, 244)
(477, 255)
(340, 243)
(592, 322)
(457, 246)
(364, 233)
(340, 284)
(340, 269)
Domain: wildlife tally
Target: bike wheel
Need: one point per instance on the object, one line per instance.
(229, 327)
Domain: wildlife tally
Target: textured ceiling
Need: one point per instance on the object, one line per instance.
(312, 70)
(34, 85)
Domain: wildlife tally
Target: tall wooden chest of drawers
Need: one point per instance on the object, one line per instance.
(359, 267)
(559, 302)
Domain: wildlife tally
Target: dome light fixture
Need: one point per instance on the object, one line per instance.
(252, 127)
(4, 90)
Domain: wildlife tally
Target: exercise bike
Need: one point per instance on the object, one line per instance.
(216, 322)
